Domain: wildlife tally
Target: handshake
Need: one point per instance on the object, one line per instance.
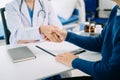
(53, 33)
(56, 34)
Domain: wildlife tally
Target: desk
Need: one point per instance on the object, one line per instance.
(41, 67)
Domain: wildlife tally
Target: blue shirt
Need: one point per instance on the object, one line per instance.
(30, 14)
(108, 43)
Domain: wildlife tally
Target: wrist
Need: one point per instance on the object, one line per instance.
(65, 35)
(73, 61)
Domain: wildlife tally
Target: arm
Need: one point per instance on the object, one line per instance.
(104, 68)
(86, 42)
(89, 43)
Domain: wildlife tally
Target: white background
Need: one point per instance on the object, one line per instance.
(105, 4)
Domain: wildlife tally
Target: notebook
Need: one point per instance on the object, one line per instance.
(21, 54)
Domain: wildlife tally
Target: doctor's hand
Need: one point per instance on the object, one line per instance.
(49, 35)
(66, 58)
(60, 33)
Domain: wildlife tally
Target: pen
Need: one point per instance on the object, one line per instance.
(78, 51)
(75, 52)
(46, 51)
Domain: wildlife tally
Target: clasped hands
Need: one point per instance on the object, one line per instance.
(54, 34)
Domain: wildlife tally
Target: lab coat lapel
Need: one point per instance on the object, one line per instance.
(25, 12)
(37, 18)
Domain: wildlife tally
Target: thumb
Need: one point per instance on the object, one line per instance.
(60, 33)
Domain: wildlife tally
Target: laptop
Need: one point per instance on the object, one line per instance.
(21, 54)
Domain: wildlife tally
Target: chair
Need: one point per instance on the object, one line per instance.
(1, 31)
(77, 17)
(92, 12)
(6, 31)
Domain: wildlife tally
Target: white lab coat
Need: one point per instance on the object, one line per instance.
(20, 25)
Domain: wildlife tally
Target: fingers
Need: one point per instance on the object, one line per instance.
(53, 33)
(57, 38)
(47, 32)
(60, 58)
(65, 58)
(52, 37)
(46, 38)
(61, 33)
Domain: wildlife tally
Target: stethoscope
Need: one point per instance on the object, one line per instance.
(41, 12)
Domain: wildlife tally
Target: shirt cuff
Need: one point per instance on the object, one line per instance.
(74, 62)
(68, 36)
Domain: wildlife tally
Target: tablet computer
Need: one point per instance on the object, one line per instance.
(21, 54)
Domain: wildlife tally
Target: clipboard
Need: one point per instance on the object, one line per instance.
(75, 52)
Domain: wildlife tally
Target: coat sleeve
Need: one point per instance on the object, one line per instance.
(86, 42)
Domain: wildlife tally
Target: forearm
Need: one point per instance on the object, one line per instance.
(100, 69)
(25, 36)
(83, 65)
(106, 69)
(89, 43)
(29, 34)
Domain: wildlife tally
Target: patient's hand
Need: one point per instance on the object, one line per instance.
(61, 33)
(47, 31)
(66, 58)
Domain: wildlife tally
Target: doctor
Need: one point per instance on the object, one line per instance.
(25, 20)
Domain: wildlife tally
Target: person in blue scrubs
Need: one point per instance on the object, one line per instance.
(107, 43)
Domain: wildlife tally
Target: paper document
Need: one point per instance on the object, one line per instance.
(57, 48)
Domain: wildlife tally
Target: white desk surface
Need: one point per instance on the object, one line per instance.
(41, 67)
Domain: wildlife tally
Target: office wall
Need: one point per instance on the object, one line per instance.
(3, 2)
(105, 4)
